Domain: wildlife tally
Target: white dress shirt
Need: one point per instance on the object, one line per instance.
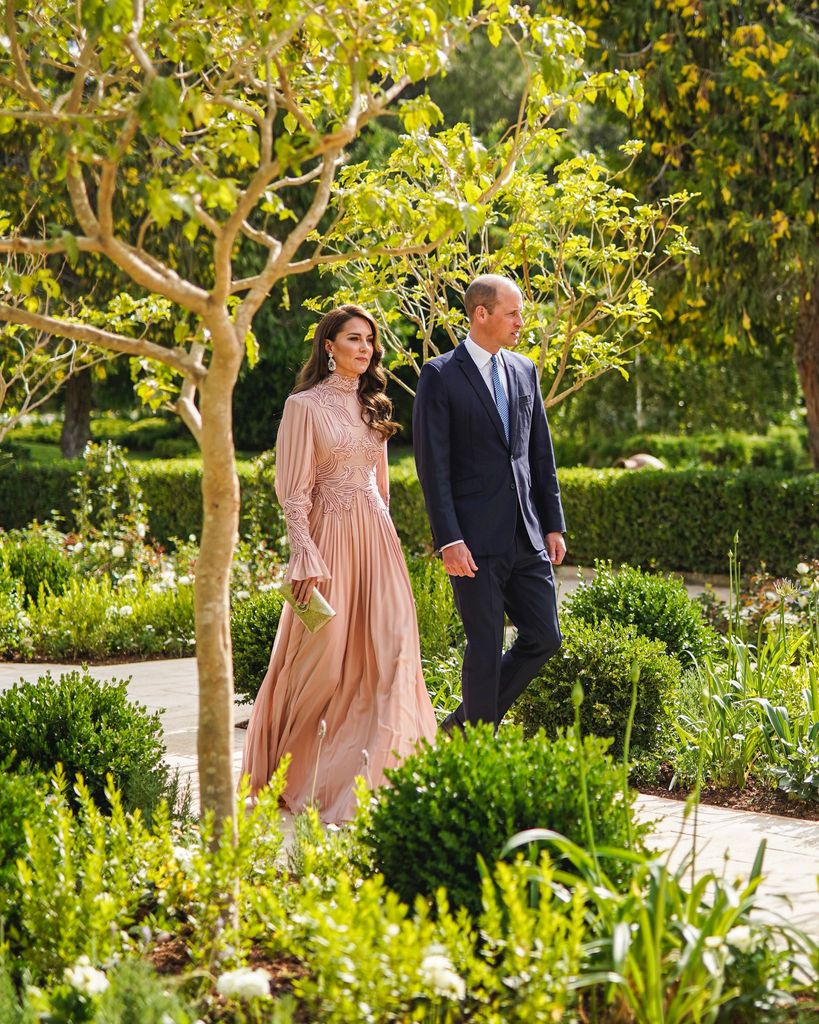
(483, 360)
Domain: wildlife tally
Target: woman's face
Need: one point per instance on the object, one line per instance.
(352, 347)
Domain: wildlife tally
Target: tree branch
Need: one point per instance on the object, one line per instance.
(89, 335)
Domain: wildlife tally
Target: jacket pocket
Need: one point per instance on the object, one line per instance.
(466, 485)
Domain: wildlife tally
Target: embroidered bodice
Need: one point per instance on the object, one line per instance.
(327, 458)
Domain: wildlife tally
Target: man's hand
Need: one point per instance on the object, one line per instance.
(303, 589)
(555, 547)
(458, 560)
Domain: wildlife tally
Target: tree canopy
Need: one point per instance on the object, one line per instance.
(731, 114)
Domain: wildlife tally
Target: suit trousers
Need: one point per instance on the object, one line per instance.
(521, 585)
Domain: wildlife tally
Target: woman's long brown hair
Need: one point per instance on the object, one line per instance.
(372, 384)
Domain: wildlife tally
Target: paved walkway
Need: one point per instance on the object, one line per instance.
(727, 839)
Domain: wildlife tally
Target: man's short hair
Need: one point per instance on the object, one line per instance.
(484, 292)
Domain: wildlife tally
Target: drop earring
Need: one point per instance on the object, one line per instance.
(331, 363)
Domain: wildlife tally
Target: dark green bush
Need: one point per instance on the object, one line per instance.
(33, 557)
(658, 606)
(33, 491)
(676, 520)
(686, 520)
(136, 435)
(22, 798)
(253, 625)
(599, 657)
(783, 448)
(439, 625)
(91, 728)
(446, 805)
(407, 508)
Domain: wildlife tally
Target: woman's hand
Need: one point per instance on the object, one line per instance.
(303, 590)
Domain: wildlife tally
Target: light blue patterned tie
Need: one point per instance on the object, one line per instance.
(500, 397)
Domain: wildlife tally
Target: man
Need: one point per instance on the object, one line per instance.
(487, 470)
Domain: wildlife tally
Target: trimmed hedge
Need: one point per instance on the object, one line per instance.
(685, 520)
(781, 448)
(682, 520)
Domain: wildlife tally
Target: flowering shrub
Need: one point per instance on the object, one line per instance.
(767, 602)
(95, 618)
(253, 625)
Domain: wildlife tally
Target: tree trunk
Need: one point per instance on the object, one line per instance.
(76, 432)
(220, 527)
(806, 346)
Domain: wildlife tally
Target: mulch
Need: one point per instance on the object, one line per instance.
(753, 797)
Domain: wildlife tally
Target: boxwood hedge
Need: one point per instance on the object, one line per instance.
(683, 520)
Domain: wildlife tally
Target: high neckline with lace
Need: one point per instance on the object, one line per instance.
(338, 382)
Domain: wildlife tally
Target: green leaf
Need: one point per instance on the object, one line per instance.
(72, 250)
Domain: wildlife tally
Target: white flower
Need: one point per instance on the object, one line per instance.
(157, 588)
(183, 857)
(803, 568)
(140, 530)
(790, 619)
(85, 978)
(244, 982)
(183, 581)
(129, 577)
(743, 938)
(242, 595)
(126, 610)
(439, 974)
(118, 551)
(78, 547)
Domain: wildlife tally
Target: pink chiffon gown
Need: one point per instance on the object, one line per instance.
(360, 674)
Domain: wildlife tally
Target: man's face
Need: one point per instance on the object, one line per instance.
(503, 325)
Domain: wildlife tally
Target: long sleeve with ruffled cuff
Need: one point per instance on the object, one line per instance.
(295, 478)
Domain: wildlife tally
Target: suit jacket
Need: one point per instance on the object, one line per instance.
(474, 482)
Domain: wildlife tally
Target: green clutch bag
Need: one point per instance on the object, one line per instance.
(317, 613)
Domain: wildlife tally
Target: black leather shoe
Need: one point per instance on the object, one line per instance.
(451, 724)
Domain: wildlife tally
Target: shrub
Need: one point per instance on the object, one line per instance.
(407, 508)
(94, 619)
(22, 798)
(686, 520)
(89, 727)
(439, 625)
(658, 606)
(253, 626)
(600, 658)
(107, 494)
(35, 557)
(12, 617)
(676, 520)
(447, 805)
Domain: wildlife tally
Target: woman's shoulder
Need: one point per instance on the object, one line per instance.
(300, 399)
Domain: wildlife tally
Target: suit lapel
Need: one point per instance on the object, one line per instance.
(473, 375)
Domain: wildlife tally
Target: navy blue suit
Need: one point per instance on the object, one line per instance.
(500, 498)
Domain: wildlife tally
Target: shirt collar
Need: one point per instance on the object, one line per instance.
(479, 355)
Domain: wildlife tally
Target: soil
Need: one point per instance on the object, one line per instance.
(754, 797)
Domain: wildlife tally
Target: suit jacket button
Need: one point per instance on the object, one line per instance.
(511, 487)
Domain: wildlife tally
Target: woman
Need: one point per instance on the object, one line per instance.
(350, 699)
